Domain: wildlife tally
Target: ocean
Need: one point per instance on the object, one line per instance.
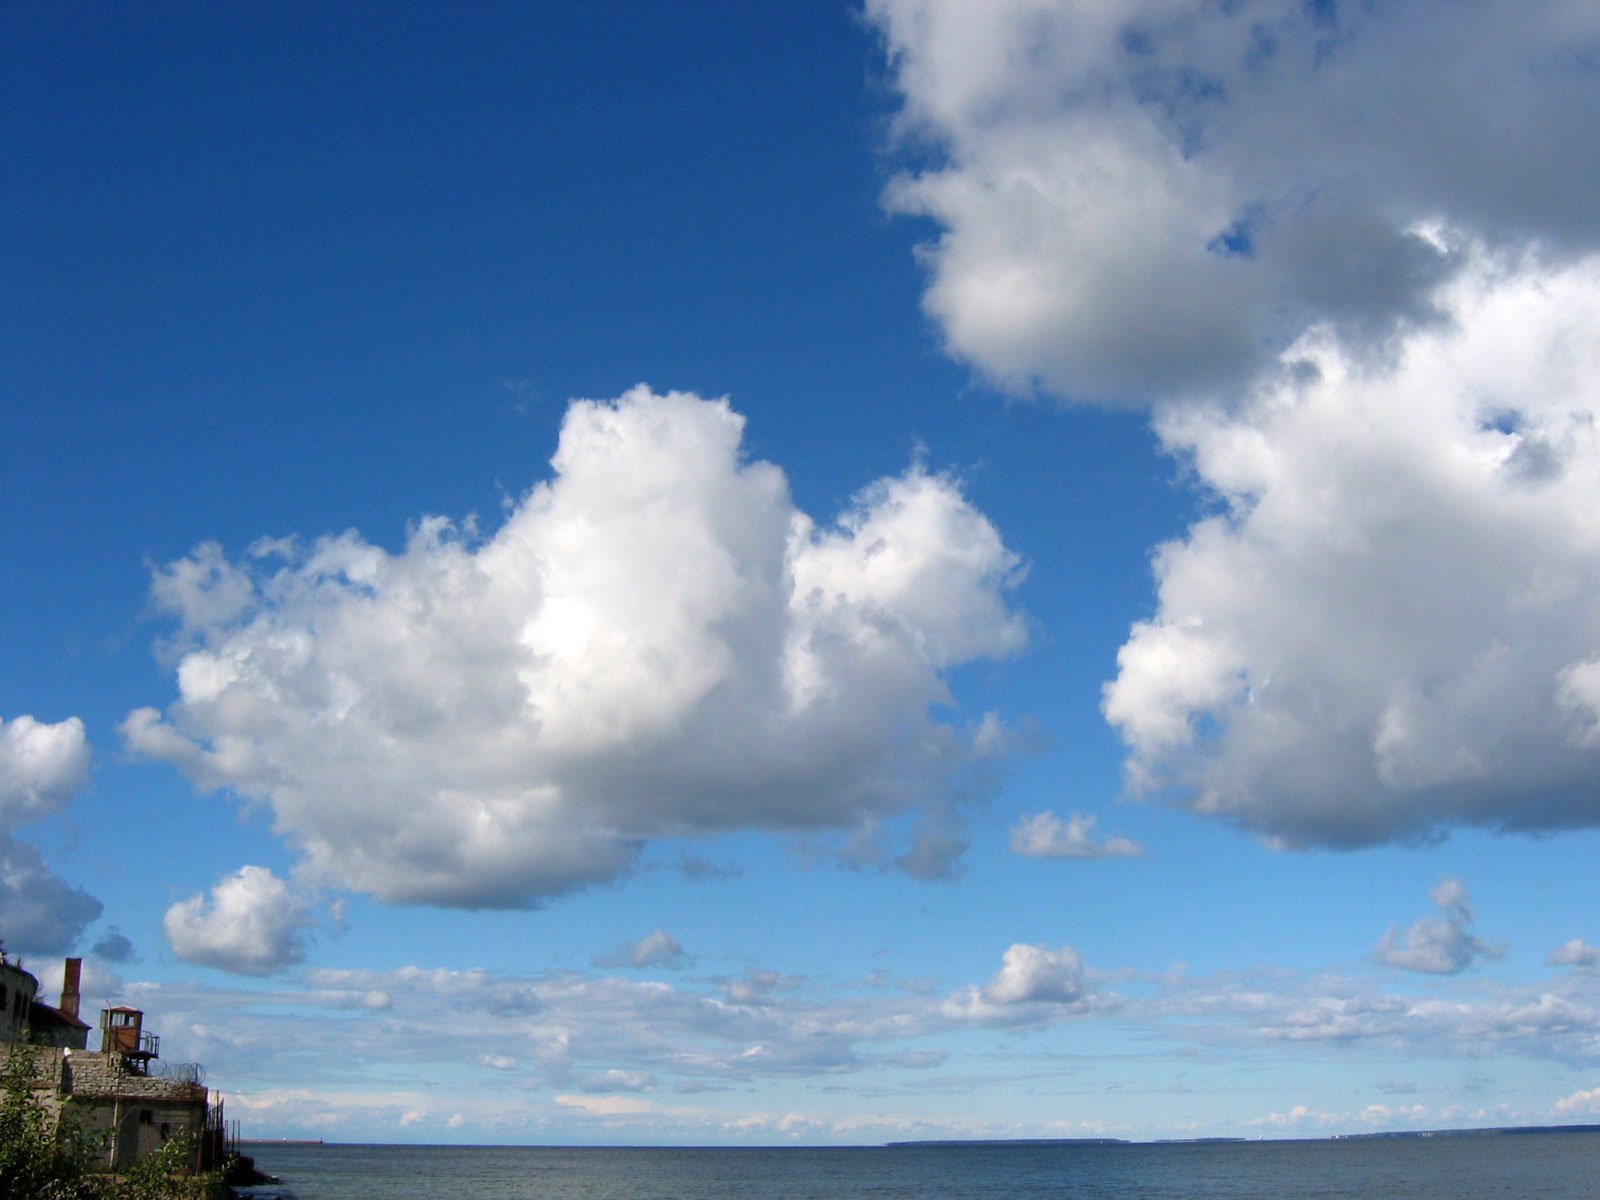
(1522, 1167)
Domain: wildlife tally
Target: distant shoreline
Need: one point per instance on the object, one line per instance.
(1492, 1131)
(281, 1142)
(993, 1143)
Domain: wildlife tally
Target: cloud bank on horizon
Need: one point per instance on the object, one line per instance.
(1357, 287)
(687, 1039)
(655, 642)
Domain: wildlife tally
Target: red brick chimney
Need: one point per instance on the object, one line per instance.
(71, 974)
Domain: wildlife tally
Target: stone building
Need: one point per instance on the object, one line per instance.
(119, 1095)
(18, 989)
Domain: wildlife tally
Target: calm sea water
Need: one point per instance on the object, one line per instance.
(1523, 1167)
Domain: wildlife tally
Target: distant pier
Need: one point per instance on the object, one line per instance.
(280, 1141)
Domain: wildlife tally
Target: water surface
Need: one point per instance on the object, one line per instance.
(1525, 1167)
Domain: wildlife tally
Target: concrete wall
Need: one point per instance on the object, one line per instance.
(127, 1114)
(131, 1128)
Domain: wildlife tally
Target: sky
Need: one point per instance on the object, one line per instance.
(810, 573)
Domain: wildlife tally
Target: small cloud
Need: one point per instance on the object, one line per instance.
(1035, 975)
(696, 1086)
(920, 1060)
(1297, 1117)
(605, 1106)
(1576, 953)
(499, 1062)
(756, 986)
(251, 925)
(703, 870)
(617, 1080)
(338, 916)
(658, 948)
(1384, 1114)
(1442, 945)
(1033, 983)
(113, 947)
(1047, 836)
(1582, 1103)
(42, 766)
(936, 849)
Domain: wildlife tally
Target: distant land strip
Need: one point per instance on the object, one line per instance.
(280, 1141)
(1495, 1131)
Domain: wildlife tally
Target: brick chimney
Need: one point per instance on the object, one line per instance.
(71, 974)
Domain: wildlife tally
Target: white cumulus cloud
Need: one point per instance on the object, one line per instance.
(42, 766)
(252, 924)
(1347, 255)
(1034, 985)
(1384, 629)
(1034, 974)
(655, 641)
(1046, 835)
(1580, 1103)
(1144, 198)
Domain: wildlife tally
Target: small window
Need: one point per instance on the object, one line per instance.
(146, 1116)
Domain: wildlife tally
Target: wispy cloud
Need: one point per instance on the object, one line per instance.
(1442, 945)
(1046, 835)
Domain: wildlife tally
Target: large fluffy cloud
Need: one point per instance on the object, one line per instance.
(1391, 623)
(42, 766)
(1347, 253)
(654, 642)
(252, 924)
(1143, 197)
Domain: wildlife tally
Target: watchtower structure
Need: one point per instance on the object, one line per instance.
(122, 1033)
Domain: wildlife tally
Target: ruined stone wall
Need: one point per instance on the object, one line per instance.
(126, 1114)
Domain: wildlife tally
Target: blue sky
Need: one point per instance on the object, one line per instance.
(711, 573)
